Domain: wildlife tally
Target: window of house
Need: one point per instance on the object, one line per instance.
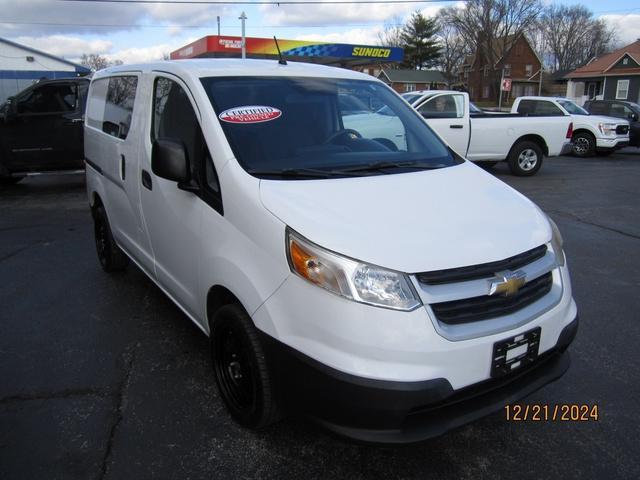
(486, 71)
(409, 87)
(507, 70)
(485, 92)
(174, 118)
(528, 70)
(625, 61)
(622, 89)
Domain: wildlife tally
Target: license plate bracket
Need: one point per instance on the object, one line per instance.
(515, 353)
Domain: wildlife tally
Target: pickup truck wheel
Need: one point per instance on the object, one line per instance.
(525, 159)
(112, 258)
(584, 144)
(242, 373)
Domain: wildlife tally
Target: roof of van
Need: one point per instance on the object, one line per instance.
(228, 67)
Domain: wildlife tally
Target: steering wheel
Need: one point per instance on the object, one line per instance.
(353, 134)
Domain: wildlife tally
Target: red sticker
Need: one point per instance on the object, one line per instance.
(250, 114)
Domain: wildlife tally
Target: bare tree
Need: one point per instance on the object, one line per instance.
(453, 46)
(573, 36)
(97, 62)
(491, 27)
(391, 35)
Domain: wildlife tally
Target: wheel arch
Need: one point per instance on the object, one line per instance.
(217, 297)
(537, 139)
(583, 130)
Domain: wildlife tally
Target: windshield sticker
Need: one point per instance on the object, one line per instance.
(250, 114)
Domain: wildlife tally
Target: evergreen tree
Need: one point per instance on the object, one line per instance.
(421, 46)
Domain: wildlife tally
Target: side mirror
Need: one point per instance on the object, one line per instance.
(10, 109)
(169, 160)
(633, 117)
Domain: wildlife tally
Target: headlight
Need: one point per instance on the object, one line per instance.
(607, 128)
(556, 242)
(349, 278)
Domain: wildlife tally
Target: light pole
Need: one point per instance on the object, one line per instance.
(242, 18)
(218, 25)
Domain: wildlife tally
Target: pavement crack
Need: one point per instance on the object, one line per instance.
(587, 222)
(68, 393)
(129, 359)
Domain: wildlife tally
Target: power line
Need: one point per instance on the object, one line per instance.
(265, 2)
(133, 25)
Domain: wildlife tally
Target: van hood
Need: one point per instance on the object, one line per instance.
(411, 222)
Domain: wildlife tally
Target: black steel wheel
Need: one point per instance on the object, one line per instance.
(240, 366)
(111, 257)
(584, 144)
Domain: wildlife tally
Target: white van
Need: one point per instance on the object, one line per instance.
(384, 286)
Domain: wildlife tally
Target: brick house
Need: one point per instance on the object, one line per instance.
(615, 76)
(516, 58)
(403, 81)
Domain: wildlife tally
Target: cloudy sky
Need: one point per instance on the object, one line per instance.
(143, 32)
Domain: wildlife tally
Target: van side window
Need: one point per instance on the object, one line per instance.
(174, 117)
(49, 99)
(111, 105)
(119, 106)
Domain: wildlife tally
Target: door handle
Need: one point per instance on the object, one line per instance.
(123, 167)
(146, 180)
(73, 121)
(455, 126)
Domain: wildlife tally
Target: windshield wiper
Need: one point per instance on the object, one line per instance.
(293, 172)
(374, 167)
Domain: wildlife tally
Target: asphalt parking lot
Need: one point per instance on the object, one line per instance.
(101, 376)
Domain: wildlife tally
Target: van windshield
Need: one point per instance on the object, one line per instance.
(300, 127)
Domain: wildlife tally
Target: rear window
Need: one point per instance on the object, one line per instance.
(539, 107)
(110, 105)
(274, 124)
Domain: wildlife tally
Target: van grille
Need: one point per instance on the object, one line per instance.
(481, 308)
(622, 129)
(484, 270)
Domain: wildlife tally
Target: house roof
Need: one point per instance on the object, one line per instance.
(601, 65)
(79, 68)
(413, 76)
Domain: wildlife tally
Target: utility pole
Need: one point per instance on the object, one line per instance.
(218, 25)
(242, 18)
(540, 85)
(500, 91)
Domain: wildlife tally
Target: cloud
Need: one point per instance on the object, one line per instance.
(332, 14)
(627, 27)
(146, 54)
(28, 18)
(356, 36)
(66, 46)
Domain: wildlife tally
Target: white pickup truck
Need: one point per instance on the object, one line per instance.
(478, 136)
(591, 133)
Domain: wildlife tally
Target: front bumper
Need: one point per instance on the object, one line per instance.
(611, 143)
(402, 412)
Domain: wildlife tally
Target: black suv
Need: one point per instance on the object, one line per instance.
(620, 109)
(41, 129)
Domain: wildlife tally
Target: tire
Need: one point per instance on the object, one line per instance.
(243, 375)
(584, 144)
(486, 164)
(111, 257)
(10, 180)
(525, 159)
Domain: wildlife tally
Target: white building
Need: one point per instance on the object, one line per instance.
(20, 66)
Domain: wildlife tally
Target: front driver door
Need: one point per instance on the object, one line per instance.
(172, 215)
(447, 115)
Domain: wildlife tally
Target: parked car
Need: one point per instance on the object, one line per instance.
(393, 293)
(591, 133)
(620, 109)
(41, 129)
(479, 136)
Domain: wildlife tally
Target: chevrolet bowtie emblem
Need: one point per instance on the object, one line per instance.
(507, 283)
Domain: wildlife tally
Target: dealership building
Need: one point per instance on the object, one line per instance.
(365, 58)
(20, 66)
